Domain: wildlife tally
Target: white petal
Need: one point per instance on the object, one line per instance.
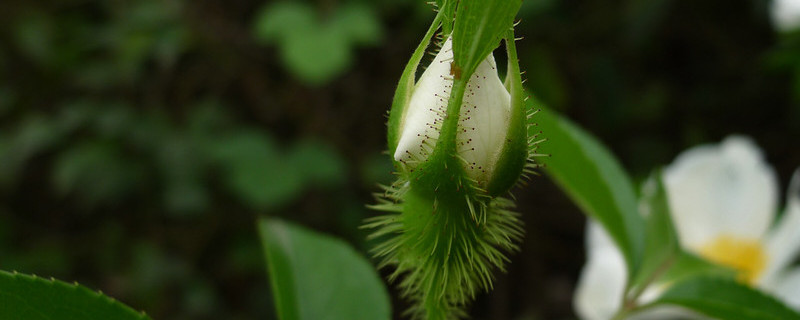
(721, 189)
(422, 116)
(602, 283)
(483, 121)
(602, 280)
(787, 288)
(785, 14)
(783, 244)
(485, 115)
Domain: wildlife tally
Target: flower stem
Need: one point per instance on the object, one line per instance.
(630, 303)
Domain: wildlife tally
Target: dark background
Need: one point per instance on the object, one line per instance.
(140, 140)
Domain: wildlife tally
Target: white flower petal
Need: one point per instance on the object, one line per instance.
(485, 116)
(602, 280)
(721, 190)
(787, 288)
(783, 244)
(483, 121)
(785, 14)
(422, 119)
(602, 283)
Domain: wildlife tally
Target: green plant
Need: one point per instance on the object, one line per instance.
(459, 141)
(140, 139)
(317, 48)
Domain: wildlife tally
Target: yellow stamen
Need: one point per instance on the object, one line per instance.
(747, 256)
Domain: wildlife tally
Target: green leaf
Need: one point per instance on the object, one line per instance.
(34, 135)
(664, 260)
(313, 52)
(594, 179)
(545, 80)
(284, 20)
(661, 246)
(8, 97)
(35, 35)
(724, 299)
(96, 172)
(686, 264)
(358, 23)
(317, 163)
(478, 28)
(313, 49)
(25, 297)
(254, 170)
(317, 57)
(261, 174)
(317, 277)
(183, 172)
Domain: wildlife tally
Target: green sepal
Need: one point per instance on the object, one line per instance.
(406, 85)
(476, 37)
(448, 11)
(478, 28)
(444, 246)
(514, 156)
(443, 233)
(443, 170)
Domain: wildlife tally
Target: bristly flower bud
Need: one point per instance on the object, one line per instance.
(459, 140)
(483, 120)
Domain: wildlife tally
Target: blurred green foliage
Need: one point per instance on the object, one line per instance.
(317, 49)
(141, 139)
(245, 155)
(107, 179)
(785, 58)
(106, 152)
(97, 54)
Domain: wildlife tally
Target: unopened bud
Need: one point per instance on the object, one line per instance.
(483, 120)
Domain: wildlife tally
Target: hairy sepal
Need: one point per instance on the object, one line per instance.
(515, 153)
(444, 245)
(447, 235)
(443, 233)
(405, 87)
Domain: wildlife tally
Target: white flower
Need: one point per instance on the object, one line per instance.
(483, 121)
(785, 14)
(723, 200)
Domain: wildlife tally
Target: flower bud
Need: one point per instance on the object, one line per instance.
(459, 139)
(483, 123)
